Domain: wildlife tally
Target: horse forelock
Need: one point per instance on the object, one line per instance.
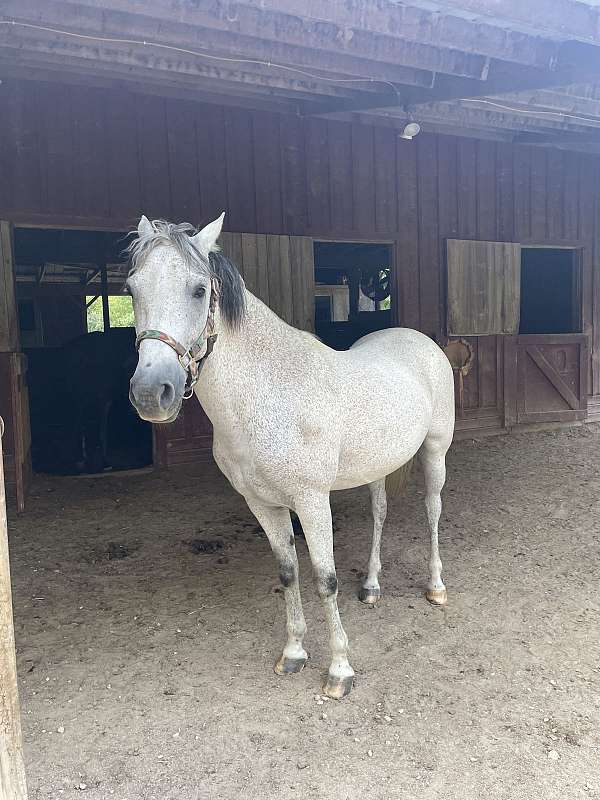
(223, 273)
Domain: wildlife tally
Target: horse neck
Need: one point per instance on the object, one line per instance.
(240, 357)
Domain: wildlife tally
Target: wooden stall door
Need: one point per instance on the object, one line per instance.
(546, 378)
(14, 400)
(280, 271)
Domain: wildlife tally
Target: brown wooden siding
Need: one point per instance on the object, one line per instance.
(98, 157)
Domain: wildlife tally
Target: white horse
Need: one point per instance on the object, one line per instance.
(292, 418)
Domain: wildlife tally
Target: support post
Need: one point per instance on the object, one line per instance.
(104, 289)
(12, 769)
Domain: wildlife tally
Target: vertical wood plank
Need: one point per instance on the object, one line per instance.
(90, 154)
(123, 165)
(212, 163)
(571, 208)
(183, 161)
(58, 165)
(555, 194)
(429, 246)
(486, 191)
(267, 172)
(363, 184)
(275, 299)
(467, 188)
(153, 156)
(406, 299)
(587, 201)
(340, 175)
(303, 281)
(20, 117)
(594, 213)
(12, 768)
(293, 174)
(250, 261)
(447, 186)
(231, 244)
(286, 283)
(522, 189)
(262, 284)
(538, 194)
(385, 180)
(486, 360)
(505, 199)
(8, 149)
(317, 175)
(9, 321)
(240, 170)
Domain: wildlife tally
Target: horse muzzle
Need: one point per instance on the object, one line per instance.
(157, 394)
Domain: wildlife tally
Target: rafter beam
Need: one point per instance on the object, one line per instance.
(413, 24)
(254, 35)
(562, 19)
(41, 69)
(574, 61)
(477, 118)
(148, 61)
(562, 102)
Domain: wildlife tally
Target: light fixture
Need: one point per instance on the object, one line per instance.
(411, 129)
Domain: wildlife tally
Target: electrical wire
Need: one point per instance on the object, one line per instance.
(533, 110)
(197, 53)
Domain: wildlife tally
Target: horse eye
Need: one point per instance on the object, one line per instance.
(199, 292)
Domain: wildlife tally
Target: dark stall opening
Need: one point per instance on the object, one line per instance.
(69, 287)
(550, 291)
(353, 291)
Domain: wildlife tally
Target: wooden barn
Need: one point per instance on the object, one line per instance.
(426, 164)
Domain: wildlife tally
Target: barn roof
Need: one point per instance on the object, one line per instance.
(516, 70)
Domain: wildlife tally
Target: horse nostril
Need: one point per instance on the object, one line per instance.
(167, 396)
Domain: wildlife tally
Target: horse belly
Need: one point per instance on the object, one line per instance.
(387, 435)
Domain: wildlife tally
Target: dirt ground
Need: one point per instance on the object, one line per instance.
(145, 656)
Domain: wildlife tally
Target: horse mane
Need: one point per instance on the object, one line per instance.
(223, 273)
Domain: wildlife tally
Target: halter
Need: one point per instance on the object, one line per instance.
(190, 359)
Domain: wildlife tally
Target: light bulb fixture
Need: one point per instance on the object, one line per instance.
(411, 129)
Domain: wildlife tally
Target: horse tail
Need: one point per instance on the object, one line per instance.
(396, 482)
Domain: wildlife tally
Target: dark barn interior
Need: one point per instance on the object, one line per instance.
(363, 274)
(80, 416)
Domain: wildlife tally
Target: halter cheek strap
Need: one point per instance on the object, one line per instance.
(190, 359)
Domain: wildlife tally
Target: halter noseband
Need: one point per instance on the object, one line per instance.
(190, 359)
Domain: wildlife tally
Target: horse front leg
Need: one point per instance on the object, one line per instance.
(277, 524)
(315, 517)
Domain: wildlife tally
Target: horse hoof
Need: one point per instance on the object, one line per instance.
(336, 687)
(437, 597)
(369, 595)
(289, 666)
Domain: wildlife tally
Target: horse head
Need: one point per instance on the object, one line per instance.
(182, 288)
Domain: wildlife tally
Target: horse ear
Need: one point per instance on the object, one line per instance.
(206, 239)
(145, 227)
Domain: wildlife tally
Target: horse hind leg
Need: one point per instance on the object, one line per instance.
(370, 591)
(433, 461)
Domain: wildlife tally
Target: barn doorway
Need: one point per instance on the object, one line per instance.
(353, 290)
(77, 333)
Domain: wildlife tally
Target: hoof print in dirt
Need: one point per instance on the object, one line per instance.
(206, 545)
